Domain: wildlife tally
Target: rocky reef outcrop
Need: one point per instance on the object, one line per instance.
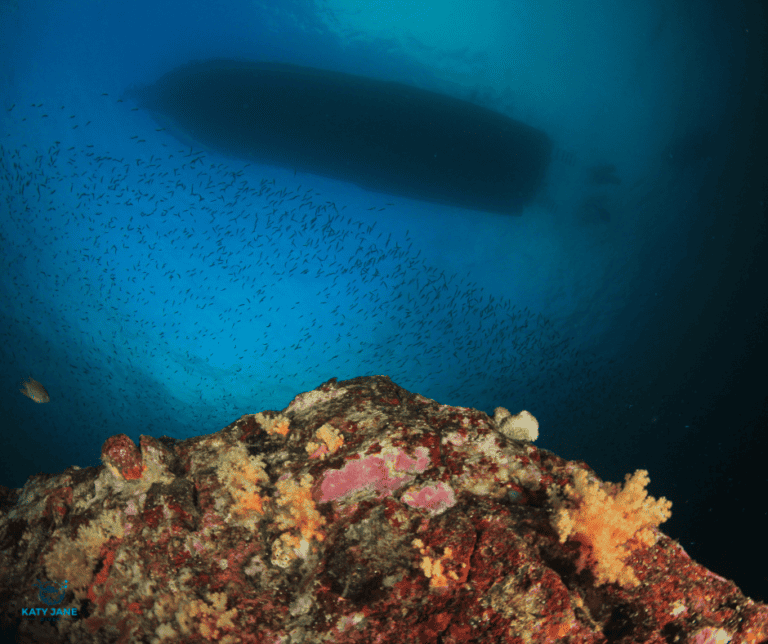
(360, 513)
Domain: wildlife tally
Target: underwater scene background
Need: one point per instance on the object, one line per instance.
(152, 285)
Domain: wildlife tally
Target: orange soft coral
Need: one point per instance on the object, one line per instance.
(604, 521)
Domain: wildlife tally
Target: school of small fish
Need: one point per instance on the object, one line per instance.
(188, 288)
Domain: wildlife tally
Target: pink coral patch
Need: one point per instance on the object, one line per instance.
(372, 472)
(435, 498)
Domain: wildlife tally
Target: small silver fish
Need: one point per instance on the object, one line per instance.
(35, 391)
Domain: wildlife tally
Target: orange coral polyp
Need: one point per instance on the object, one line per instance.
(605, 524)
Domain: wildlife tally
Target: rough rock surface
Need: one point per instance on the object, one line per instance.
(360, 513)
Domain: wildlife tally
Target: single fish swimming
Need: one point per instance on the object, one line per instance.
(34, 390)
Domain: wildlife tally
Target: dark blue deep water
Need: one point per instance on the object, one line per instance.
(155, 285)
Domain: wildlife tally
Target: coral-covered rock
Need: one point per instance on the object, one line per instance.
(360, 513)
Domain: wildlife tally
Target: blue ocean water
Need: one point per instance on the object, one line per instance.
(154, 286)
